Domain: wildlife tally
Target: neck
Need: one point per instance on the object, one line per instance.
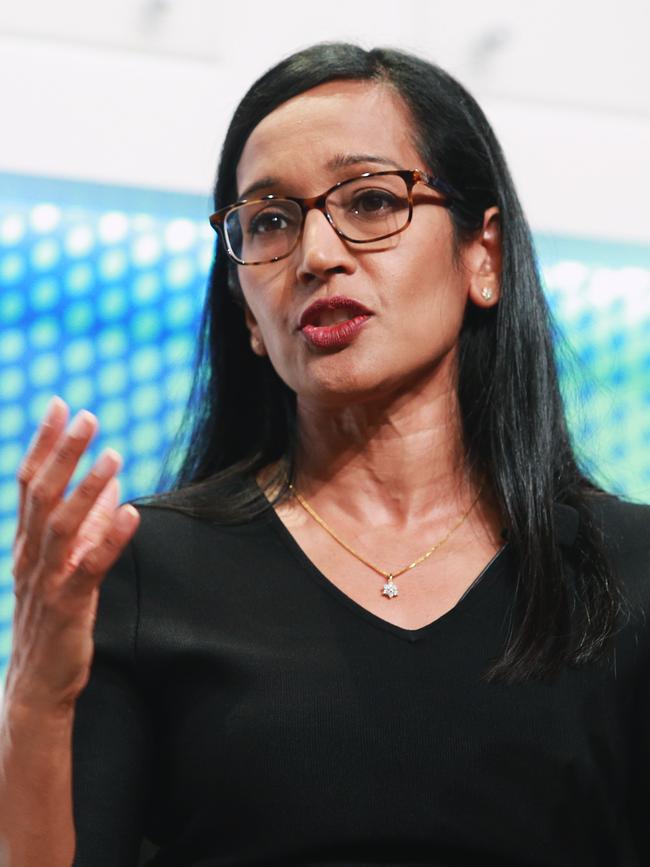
(397, 462)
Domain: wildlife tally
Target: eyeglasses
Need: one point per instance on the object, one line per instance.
(362, 210)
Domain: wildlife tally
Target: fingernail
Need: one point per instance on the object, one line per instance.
(80, 424)
(126, 516)
(106, 464)
(51, 408)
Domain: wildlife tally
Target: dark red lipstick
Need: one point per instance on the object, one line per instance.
(335, 334)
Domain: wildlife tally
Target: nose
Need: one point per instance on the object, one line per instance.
(322, 252)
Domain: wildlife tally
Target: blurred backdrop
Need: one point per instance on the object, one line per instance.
(113, 116)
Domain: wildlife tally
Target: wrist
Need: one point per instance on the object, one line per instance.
(19, 708)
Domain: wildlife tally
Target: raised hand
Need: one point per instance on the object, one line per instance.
(62, 550)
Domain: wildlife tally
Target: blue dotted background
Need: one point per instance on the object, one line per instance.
(101, 290)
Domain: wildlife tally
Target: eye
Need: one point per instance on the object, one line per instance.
(375, 202)
(267, 222)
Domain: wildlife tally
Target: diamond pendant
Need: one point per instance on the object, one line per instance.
(390, 588)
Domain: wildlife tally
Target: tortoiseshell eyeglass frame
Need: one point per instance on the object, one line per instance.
(410, 176)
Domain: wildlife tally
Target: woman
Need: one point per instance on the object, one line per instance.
(379, 615)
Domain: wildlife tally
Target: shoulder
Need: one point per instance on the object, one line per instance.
(156, 521)
(625, 526)
(168, 536)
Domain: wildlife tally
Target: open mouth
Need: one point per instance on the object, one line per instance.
(334, 317)
(329, 312)
(336, 335)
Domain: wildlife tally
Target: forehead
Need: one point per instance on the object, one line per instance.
(296, 141)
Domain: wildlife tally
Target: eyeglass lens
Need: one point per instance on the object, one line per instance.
(364, 209)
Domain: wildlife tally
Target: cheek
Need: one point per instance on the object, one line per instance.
(273, 324)
(264, 297)
(427, 292)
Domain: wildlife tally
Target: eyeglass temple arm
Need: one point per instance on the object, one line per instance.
(443, 186)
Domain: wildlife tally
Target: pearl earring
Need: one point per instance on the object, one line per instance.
(486, 293)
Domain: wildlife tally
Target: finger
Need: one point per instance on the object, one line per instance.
(63, 526)
(44, 439)
(93, 527)
(49, 483)
(101, 514)
(96, 563)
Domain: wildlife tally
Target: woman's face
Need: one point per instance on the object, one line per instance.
(416, 293)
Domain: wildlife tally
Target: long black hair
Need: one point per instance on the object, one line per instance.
(241, 416)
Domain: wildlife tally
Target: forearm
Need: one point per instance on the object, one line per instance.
(36, 813)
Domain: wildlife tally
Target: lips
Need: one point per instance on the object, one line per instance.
(313, 315)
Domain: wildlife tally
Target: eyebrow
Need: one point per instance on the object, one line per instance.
(338, 161)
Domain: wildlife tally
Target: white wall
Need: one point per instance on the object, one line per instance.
(139, 92)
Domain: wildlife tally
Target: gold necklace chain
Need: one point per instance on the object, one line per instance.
(390, 589)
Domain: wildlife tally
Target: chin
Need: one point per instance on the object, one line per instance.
(348, 391)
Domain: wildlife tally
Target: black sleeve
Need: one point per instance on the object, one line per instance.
(640, 787)
(113, 733)
(636, 568)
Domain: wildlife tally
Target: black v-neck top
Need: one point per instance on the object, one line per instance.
(244, 710)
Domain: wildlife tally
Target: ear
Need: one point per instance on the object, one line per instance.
(483, 257)
(257, 343)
